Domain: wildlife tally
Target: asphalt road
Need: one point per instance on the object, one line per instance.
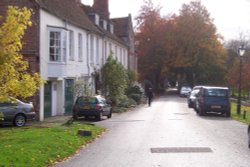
(167, 134)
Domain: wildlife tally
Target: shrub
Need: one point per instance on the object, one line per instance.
(134, 90)
(136, 97)
(126, 102)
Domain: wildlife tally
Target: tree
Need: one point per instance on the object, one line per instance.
(199, 54)
(114, 78)
(182, 47)
(151, 39)
(81, 88)
(14, 77)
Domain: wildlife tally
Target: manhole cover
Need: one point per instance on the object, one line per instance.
(181, 150)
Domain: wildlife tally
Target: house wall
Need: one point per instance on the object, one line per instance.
(36, 51)
(72, 69)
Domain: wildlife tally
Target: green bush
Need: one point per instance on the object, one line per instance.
(119, 109)
(134, 90)
(136, 97)
(126, 102)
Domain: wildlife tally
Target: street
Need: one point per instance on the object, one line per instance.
(167, 134)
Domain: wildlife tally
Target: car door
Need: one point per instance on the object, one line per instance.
(106, 107)
(8, 110)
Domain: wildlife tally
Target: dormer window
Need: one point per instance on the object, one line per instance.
(95, 18)
(104, 24)
(111, 28)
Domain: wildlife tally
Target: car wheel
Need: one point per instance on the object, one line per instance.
(99, 117)
(110, 114)
(228, 114)
(19, 120)
(75, 117)
(202, 112)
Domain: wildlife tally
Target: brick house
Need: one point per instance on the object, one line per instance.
(65, 45)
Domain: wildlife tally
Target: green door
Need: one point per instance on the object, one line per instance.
(47, 100)
(69, 96)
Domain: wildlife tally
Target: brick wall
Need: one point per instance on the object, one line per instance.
(30, 49)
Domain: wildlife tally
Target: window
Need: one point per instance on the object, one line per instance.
(91, 49)
(105, 51)
(116, 51)
(80, 47)
(57, 45)
(71, 45)
(216, 92)
(120, 58)
(110, 48)
(97, 52)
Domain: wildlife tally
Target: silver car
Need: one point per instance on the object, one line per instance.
(16, 112)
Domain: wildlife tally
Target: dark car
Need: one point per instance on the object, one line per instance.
(191, 99)
(96, 106)
(213, 99)
(16, 112)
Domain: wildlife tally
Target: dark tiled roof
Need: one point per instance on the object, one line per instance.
(68, 10)
(121, 26)
(90, 10)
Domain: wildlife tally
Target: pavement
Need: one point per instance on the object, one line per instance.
(51, 121)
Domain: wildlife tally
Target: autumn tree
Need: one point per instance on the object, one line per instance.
(150, 38)
(14, 77)
(185, 46)
(200, 56)
(233, 65)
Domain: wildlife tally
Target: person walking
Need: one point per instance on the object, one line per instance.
(150, 96)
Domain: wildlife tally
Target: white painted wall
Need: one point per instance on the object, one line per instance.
(73, 69)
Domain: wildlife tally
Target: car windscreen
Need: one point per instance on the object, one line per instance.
(215, 92)
(194, 92)
(86, 100)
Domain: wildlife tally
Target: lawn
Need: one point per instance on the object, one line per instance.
(237, 117)
(42, 146)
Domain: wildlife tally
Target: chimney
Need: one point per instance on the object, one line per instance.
(102, 7)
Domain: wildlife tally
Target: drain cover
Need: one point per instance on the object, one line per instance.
(181, 150)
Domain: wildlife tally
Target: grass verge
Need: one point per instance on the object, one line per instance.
(42, 146)
(237, 117)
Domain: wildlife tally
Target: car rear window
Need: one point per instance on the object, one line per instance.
(86, 100)
(216, 92)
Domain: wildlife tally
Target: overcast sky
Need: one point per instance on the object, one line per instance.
(231, 17)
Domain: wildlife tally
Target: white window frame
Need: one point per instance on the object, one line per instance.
(97, 51)
(58, 44)
(71, 46)
(91, 49)
(80, 47)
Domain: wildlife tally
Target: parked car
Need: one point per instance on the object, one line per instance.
(16, 112)
(191, 99)
(197, 87)
(248, 134)
(185, 91)
(96, 106)
(213, 99)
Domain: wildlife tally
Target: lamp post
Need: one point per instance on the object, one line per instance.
(241, 52)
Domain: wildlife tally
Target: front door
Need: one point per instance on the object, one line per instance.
(69, 96)
(47, 100)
